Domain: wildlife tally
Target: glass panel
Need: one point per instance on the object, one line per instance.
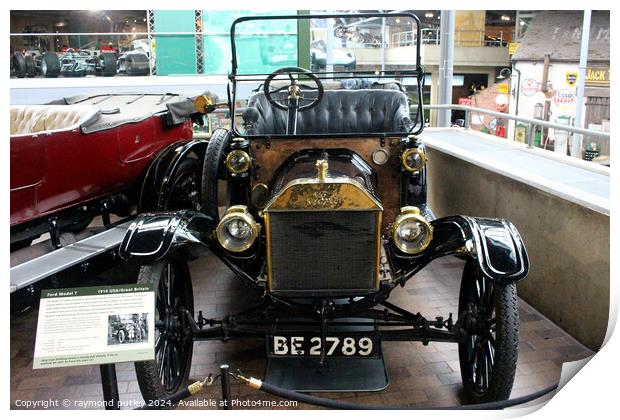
(175, 54)
(363, 75)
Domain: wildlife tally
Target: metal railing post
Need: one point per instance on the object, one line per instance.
(530, 135)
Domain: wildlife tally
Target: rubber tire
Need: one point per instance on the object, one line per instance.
(131, 71)
(147, 373)
(506, 339)
(109, 64)
(20, 65)
(120, 336)
(31, 68)
(52, 64)
(188, 165)
(213, 170)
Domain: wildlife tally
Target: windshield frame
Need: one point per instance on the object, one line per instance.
(417, 72)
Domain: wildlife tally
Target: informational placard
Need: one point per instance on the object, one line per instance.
(95, 325)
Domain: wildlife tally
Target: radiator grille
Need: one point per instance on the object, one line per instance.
(319, 253)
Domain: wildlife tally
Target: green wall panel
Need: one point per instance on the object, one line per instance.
(175, 54)
(275, 47)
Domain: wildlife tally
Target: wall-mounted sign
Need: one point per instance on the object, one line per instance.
(513, 47)
(597, 76)
(564, 98)
(529, 87)
(571, 78)
(503, 88)
(465, 101)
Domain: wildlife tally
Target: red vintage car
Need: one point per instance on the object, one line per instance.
(83, 156)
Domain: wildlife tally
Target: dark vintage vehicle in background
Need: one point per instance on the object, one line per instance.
(85, 156)
(325, 216)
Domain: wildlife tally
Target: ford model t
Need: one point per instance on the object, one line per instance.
(324, 217)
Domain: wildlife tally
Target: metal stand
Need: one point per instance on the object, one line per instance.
(109, 385)
(225, 382)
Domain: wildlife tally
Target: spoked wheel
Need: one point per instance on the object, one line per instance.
(169, 371)
(488, 354)
(185, 188)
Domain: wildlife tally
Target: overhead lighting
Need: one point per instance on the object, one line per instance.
(505, 18)
(397, 20)
(522, 22)
(429, 15)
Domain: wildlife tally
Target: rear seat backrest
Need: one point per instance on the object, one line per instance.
(339, 112)
(33, 119)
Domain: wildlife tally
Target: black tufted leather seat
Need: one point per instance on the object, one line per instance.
(339, 112)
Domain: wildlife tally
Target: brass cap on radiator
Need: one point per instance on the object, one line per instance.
(321, 169)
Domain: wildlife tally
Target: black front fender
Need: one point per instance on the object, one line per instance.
(153, 236)
(495, 244)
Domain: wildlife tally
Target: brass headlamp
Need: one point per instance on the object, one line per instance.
(207, 104)
(237, 230)
(411, 232)
(413, 159)
(237, 161)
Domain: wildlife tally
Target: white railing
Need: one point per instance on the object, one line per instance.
(462, 38)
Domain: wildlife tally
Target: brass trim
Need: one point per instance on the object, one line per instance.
(331, 194)
(321, 169)
(232, 155)
(294, 91)
(240, 212)
(353, 197)
(411, 213)
(411, 151)
(204, 104)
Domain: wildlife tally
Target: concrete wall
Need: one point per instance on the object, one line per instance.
(568, 244)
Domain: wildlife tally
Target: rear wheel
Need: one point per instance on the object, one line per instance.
(488, 353)
(50, 65)
(20, 64)
(169, 371)
(109, 64)
(31, 68)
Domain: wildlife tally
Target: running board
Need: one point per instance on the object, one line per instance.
(30, 272)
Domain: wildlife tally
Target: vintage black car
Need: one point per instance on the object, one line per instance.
(326, 215)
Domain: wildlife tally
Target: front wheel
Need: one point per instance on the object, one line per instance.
(488, 352)
(164, 376)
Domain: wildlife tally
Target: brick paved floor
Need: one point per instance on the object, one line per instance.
(419, 375)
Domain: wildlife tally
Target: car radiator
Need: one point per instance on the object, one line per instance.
(323, 252)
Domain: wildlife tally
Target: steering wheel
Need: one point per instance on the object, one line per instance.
(294, 97)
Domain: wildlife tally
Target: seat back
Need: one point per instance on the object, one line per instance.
(339, 112)
(33, 119)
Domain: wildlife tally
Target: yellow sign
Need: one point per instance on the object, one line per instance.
(571, 78)
(503, 88)
(597, 76)
(513, 47)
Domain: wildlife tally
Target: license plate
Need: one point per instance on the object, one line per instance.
(349, 345)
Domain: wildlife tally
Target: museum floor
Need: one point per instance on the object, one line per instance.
(420, 375)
